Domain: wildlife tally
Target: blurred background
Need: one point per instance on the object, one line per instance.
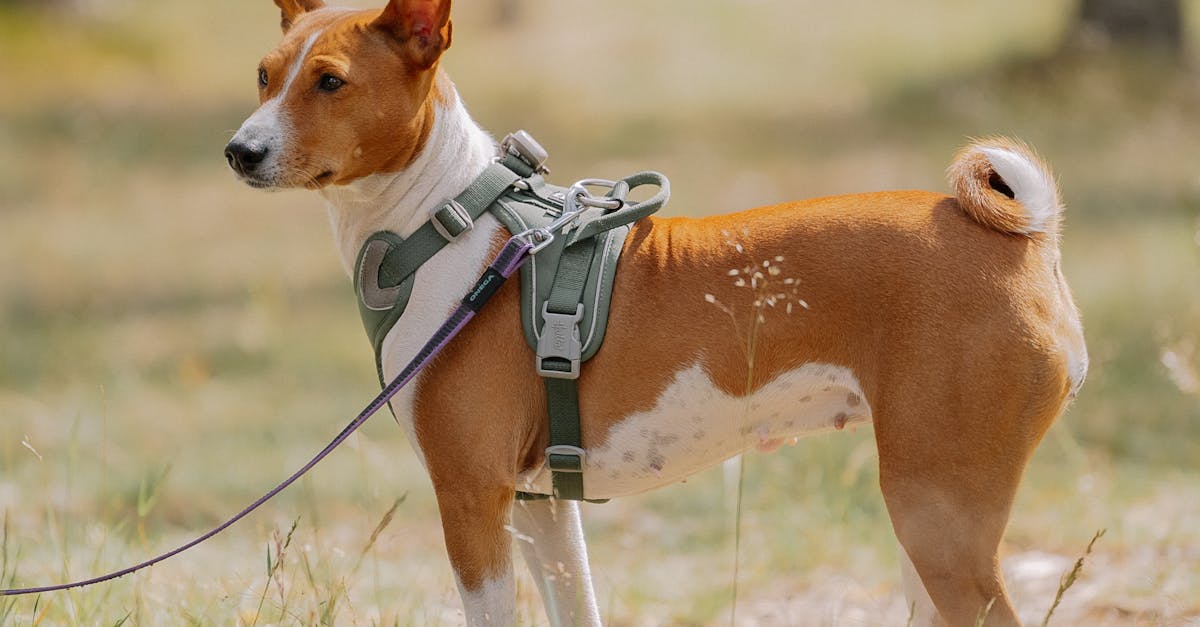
(172, 343)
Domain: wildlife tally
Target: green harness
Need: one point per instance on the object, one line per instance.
(565, 288)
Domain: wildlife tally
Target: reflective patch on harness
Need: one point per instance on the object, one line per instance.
(376, 298)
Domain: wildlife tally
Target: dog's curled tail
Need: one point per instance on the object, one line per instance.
(1004, 185)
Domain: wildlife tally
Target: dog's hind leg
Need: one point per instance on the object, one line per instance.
(551, 537)
(950, 526)
(949, 468)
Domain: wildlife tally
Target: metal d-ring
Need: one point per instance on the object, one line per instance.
(584, 197)
(576, 200)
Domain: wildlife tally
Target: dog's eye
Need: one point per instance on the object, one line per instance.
(262, 77)
(330, 82)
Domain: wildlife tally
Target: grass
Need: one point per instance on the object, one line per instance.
(1070, 577)
(172, 343)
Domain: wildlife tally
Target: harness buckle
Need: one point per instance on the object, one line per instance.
(450, 219)
(559, 347)
(523, 146)
(565, 458)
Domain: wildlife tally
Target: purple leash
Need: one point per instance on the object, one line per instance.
(510, 258)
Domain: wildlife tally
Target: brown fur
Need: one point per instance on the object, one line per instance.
(950, 461)
(289, 10)
(353, 141)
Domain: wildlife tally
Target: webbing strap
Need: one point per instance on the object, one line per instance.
(566, 464)
(564, 456)
(426, 241)
(569, 281)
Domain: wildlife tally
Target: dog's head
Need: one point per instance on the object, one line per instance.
(346, 94)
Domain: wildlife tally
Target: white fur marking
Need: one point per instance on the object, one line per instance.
(494, 603)
(456, 152)
(298, 64)
(1031, 185)
(924, 613)
(273, 118)
(1073, 343)
(694, 426)
(269, 125)
(551, 538)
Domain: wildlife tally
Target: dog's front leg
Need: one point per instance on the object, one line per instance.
(551, 537)
(475, 521)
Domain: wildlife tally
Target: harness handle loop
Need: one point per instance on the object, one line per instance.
(620, 191)
(629, 211)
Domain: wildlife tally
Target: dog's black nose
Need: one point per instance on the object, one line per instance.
(245, 157)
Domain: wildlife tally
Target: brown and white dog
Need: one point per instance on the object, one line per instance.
(944, 321)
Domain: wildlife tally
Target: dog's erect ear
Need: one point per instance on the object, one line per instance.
(422, 26)
(291, 9)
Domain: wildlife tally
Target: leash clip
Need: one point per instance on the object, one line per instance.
(537, 238)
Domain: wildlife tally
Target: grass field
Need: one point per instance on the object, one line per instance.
(173, 343)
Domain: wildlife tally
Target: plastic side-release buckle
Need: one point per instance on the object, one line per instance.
(559, 347)
(565, 458)
(450, 219)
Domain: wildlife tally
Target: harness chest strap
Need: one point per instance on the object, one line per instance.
(386, 263)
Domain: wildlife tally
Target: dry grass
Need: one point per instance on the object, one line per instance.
(173, 343)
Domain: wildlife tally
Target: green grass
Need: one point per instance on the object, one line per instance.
(172, 343)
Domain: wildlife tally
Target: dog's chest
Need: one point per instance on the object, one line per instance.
(440, 286)
(695, 425)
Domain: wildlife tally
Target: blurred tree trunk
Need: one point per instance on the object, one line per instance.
(507, 12)
(1155, 24)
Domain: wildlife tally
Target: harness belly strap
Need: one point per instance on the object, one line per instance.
(560, 373)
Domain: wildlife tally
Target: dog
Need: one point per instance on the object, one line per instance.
(944, 322)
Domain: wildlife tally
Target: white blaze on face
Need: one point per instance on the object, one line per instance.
(269, 126)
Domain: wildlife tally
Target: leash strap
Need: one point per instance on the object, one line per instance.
(514, 253)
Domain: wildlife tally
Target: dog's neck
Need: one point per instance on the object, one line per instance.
(455, 152)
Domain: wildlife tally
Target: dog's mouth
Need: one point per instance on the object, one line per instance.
(320, 180)
(257, 183)
(306, 181)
